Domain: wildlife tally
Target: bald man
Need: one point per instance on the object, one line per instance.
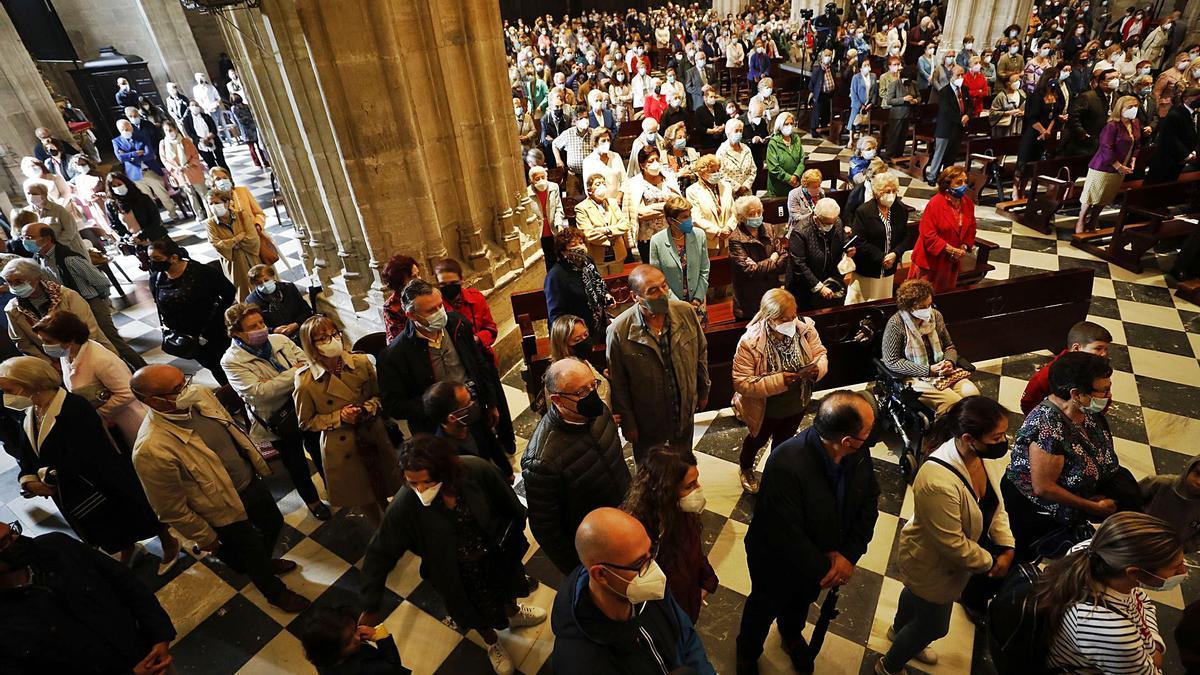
(813, 519)
(203, 476)
(613, 615)
(658, 365)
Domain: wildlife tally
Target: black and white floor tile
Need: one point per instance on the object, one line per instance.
(225, 626)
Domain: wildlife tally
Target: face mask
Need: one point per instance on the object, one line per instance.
(267, 287)
(590, 406)
(694, 502)
(923, 314)
(959, 191)
(754, 223)
(1013, 50)
(1064, 75)
(976, 68)
(645, 587)
(735, 137)
(787, 328)
(1130, 113)
(621, 76)
(1113, 84)
(1044, 52)
(518, 111)
(1096, 405)
(54, 351)
(970, 45)
(653, 168)
(766, 91)
(218, 210)
(120, 190)
(224, 184)
(188, 397)
(83, 170)
(1196, 73)
(825, 59)
(257, 338)
(127, 135)
(886, 200)
(957, 82)
(541, 184)
(330, 349)
(686, 226)
(1015, 85)
(1181, 66)
(894, 68)
(786, 130)
(30, 245)
(1169, 583)
(1143, 71)
(429, 494)
(991, 450)
(680, 143)
(603, 146)
(23, 290)
(582, 125)
(949, 60)
(641, 71)
(438, 320)
(656, 306)
(868, 154)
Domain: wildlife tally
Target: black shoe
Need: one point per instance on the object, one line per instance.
(747, 667)
(290, 601)
(320, 511)
(532, 584)
(279, 566)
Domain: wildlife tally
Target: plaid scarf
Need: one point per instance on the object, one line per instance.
(394, 318)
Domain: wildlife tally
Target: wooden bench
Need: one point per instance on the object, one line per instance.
(1148, 216)
(1041, 192)
(985, 164)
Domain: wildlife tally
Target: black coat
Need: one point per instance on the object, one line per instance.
(949, 115)
(87, 613)
(1088, 115)
(1177, 139)
(286, 306)
(570, 470)
(814, 258)
(704, 119)
(753, 272)
(566, 294)
(429, 532)
(796, 521)
(189, 128)
(406, 371)
(870, 250)
(750, 131)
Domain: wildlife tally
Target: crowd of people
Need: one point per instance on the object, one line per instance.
(419, 439)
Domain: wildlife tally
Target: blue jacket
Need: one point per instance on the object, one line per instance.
(665, 257)
(860, 92)
(924, 72)
(607, 117)
(760, 66)
(816, 84)
(126, 151)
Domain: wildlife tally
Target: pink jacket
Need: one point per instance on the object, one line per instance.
(750, 361)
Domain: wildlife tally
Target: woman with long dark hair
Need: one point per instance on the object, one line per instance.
(667, 499)
(1092, 609)
(133, 213)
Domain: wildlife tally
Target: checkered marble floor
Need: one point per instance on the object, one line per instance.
(225, 626)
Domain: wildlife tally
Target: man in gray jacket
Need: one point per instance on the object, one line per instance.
(658, 365)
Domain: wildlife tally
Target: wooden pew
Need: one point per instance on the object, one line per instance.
(1149, 214)
(1043, 189)
(985, 164)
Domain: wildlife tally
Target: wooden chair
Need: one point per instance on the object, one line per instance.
(371, 343)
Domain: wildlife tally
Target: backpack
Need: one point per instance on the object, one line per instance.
(1013, 633)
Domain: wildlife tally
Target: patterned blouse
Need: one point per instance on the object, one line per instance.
(1087, 449)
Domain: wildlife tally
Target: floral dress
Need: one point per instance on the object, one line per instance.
(1087, 450)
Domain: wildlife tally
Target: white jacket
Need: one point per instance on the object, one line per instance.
(262, 387)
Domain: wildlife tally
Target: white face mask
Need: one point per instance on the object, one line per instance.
(923, 314)
(582, 125)
(887, 199)
(787, 328)
(17, 402)
(765, 91)
(1130, 113)
(603, 146)
(1170, 583)
(958, 82)
(188, 397)
(694, 502)
(645, 587)
(786, 130)
(429, 494)
(868, 154)
(541, 184)
(653, 168)
(218, 210)
(330, 349)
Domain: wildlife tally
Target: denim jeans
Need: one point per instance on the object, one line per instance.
(918, 622)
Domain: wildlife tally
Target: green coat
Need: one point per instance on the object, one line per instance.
(783, 162)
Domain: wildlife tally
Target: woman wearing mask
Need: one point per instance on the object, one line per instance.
(976, 85)
(262, 370)
(737, 163)
(605, 162)
(712, 201)
(881, 226)
(283, 306)
(337, 394)
(1012, 62)
(58, 190)
(862, 89)
(785, 157)
(65, 454)
(666, 497)
(569, 337)
(947, 232)
(926, 63)
(603, 224)
(767, 98)
(621, 95)
(679, 159)
(1041, 121)
(244, 201)
(1120, 141)
(231, 231)
(760, 64)
(468, 528)
(959, 528)
(526, 130)
(864, 151)
(1092, 604)
(133, 212)
(1035, 67)
(399, 270)
(182, 162)
(574, 285)
(1169, 84)
(757, 260)
(1007, 113)
(681, 254)
(778, 359)
(192, 298)
(468, 302)
(645, 195)
(87, 190)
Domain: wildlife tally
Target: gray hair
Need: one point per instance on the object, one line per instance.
(773, 304)
(742, 205)
(881, 181)
(31, 373)
(413, 290)
(862, 143)
(558, 372)
(827, 208)
(23, 266)
(730, 124)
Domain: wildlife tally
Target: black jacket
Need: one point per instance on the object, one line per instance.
(86, 613)
(382, 659)
(949, 116)
(406, 371)
(814, 258)
(704, 119)
(569, 471)
(868, 226)
(1177, 139)
(190, 129)
(1088, 115)
(587, 642)
(796, 521)
(753, 272)
(286, 306)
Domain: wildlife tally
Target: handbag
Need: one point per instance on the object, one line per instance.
(267, 253)
(284, 422)
(178, 343)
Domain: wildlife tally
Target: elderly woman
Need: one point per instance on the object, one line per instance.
(337, 394)
(545, 201)
(244, 201)
(574, 285)
(976, 85)
(1007, 114)
(526, 129)
(36, 297)
(1120, 141)
(778, 359)
(816, 246)
(603, 225)
(757, 264)
(66, 454)
(864, 151)
(182, 163)
(59, 218)
(399, 270)
(1170, 83)
(1064, 467)
(233, 234)
(644, 197)
(192, 298)
(947, 232)
(881, 226)
(679, 252)
(605, 162)
(58, 190)
(283, 306)
(917, 346)
(87, 189)
(785, 157)
(94, 373)
(679, 159)
(767, 99)
(569, 337)
(712, 205)
(737, 161)
(862, 90)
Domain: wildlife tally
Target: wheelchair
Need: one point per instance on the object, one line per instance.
(899, 409)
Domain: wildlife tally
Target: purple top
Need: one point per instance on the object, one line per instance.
(1115, 146)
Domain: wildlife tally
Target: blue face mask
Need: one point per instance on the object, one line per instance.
(959, 191)
(754, 223)
(685, 226)
(23, 290)
(680, 143)
(30, 245)
(268, 287)
(54, 351)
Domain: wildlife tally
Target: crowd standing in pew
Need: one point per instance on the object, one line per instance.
(669, 133)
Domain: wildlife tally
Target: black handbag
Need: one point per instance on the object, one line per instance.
(284, 422)
(178, 343)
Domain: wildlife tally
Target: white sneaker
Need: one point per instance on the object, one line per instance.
(501, 661)
(527, 615)
(926, 655)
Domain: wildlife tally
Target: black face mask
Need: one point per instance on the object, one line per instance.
(452, 292)
(590, 406)
(582, 350)
(992, 450)
(159, 265)
(19, 553)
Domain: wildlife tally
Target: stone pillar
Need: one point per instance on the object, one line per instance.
(172, 37)
(723, 7)
(985, 19)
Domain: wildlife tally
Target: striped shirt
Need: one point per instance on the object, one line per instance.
(1117, 637)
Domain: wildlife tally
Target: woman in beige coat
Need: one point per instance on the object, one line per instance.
(777, 360)
(231, 231)
(959, 529)
(712, 205)
(337, 394)
(182, 162)
(603, 224)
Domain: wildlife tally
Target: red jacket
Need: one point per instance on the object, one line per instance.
(977, 88)
(472, 305)
(939, 228)
(1038, 387)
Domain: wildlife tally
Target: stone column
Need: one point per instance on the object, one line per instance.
(723, 7)
(171, 34)
(985, 19)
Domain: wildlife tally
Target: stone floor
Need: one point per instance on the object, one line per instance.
(225, 626)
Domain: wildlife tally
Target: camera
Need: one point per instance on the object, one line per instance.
(806, 14)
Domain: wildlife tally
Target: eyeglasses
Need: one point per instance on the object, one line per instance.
(326, 339)
(581, 392)
(641, 567)
(187, 381)
(15, 531)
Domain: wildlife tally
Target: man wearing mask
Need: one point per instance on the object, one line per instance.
(203, 476)
(821, 85)
(756, 131)
(1089, 113)
(698, 77)
(141, 164)
(555, 121)
(619, 592)
(202, 129)
(104, 619)
(143, 129)
(460, 421)
(177, 103)
(954, 106)
(126, 95)
(435, 346)
(813, 519)
(573, 463)
(576, 144)
(658, 362)
(45, 140)
(209, 99)
(1177, 139)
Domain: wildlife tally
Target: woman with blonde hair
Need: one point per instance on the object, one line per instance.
(778, 359)
(337, 394)
(231, 231)
(712, 203)
(569, 337)
(1120, 140)
(219, 178)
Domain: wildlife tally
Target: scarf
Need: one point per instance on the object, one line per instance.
(176, 150)
(394, 318)
(593, 284)
(914, 344)
(53, 293)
